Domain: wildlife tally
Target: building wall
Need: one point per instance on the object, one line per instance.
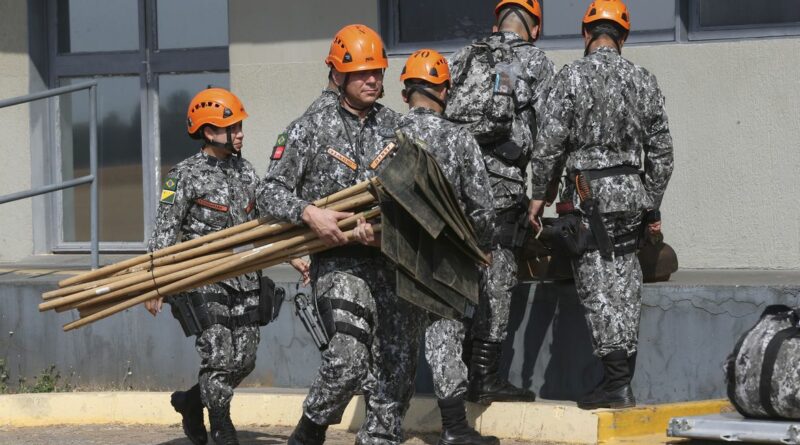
(732, 106)
(16, 236)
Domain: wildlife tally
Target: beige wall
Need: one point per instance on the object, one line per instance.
(16, 235)
(734, 110)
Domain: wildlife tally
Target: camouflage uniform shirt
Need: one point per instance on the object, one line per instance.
(325, 152)
(603, 111)
(202, 195)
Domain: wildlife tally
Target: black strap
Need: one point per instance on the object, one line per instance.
(250, 317)
(768, 368)
(731, 372)
(200, 299)
(353, 308)
(620, 170)
(359, 334)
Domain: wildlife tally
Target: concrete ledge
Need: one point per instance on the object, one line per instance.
(541, 421)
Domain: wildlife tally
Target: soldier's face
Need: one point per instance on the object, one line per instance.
(364, 87)
(221, 135)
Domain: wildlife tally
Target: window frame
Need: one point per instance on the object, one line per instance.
(147, 63)
(699, 33)
(390, 31)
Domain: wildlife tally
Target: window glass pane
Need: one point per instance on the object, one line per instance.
(97, 25)
(174, 93)
(119, 160)
(738, 12)
(437, 20)
(192, 23)
(563, 18)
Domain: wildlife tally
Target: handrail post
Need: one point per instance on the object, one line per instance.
(94, 212)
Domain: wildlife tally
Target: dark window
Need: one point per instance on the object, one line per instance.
(720, 19)
(449, 24)
(149, 58)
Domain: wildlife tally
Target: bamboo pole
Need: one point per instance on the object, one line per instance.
(122, 265)
(257, 256)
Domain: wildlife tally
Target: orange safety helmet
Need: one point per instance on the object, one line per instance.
(532, 6)
(357, 48)
(613, 10)
(427, 65)
(215, 106)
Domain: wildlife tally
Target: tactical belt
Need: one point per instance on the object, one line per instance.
(622, 170)
(350, 251)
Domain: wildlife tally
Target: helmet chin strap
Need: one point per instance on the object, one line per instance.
(226, 145)
(424, 91)
(592, 40)
(515, 10)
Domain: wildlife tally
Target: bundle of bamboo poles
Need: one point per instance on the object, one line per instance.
(244, 248)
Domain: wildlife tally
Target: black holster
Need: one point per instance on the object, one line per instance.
(512, 227)
(568, 235)
(270, 301)
(192, 313)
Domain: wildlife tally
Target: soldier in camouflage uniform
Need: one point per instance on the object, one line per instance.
(427, 77)
(601, 115)
(210, 191)
(506, 154)
(376, 340)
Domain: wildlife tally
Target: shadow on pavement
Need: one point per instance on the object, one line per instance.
(245, 438)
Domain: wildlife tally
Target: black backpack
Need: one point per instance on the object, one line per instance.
(491, 90)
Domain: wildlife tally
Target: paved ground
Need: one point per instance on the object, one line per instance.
(167, 435)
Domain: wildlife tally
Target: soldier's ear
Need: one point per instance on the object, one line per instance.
(404, 93)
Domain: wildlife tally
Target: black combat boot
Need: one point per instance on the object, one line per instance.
(307, 433)
(485, 385)
(455, 429)
(222, 430)
(615, 389)
(190, 407)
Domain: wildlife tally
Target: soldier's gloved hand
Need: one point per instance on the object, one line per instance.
(154, 306)
(535, 210)
(364, 234)
(301, 266)
(323, 223)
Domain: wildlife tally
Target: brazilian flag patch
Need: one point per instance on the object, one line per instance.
(168, 192)
(280, 146)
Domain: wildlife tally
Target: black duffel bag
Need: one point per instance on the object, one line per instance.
(763, 376)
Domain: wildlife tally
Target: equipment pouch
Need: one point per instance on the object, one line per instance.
(183, 310)
(306, 309)
(569, 235)
(270, 301)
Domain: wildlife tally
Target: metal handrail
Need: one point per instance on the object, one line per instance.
(90, 178)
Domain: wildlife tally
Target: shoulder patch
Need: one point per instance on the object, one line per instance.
(168, 191)
(280, 147)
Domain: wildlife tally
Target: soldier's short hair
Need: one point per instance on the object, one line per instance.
(607, 27)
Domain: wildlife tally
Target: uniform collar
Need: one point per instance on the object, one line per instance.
(423, 110)
(216, 162)
(509, 35)
(370, 113)
(604, 50)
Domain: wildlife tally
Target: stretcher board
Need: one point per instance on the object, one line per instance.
(732, 427)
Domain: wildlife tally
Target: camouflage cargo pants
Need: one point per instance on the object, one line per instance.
(443, 346)
(610, 291)
(226, 356)
(499, 280)
(383, 364)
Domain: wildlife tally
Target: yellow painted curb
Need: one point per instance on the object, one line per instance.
(649, 420)
(543, 421)
(540, 421)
